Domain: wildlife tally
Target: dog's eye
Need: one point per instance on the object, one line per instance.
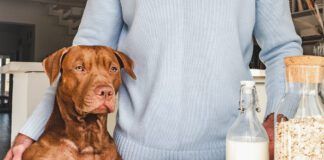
(80, 68)
(114, 69)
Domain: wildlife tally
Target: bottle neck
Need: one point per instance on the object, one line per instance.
(248, 101)
(247, 127)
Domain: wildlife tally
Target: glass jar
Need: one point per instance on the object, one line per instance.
(299, 122)
(247, 138)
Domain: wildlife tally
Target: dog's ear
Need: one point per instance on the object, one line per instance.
(52, 64)
(126, 63)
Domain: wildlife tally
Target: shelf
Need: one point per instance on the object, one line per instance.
(21, 67)
(304, 13)
(312, 38)
(306, 25)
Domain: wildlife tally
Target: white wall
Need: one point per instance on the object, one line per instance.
(49, 36)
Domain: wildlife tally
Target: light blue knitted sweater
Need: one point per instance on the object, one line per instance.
(190, 56)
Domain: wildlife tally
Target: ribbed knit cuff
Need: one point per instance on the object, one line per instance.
(131, 150)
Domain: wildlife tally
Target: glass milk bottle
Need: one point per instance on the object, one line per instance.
(247, 139)
(299, 126)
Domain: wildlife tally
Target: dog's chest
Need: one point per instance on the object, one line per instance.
(66, 150)
(72, 146)
(88, 153)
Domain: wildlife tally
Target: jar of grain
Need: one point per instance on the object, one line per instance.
(299, 122)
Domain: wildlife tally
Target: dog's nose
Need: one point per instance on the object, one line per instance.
(104, 91)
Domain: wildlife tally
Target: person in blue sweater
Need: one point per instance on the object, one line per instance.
(190, 56)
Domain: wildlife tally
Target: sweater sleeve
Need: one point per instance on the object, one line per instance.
(276, 35)
(35, 125)
(101, 24)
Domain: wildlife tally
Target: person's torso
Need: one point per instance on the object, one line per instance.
(190, 56)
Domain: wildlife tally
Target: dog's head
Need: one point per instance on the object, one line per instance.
(90, 76)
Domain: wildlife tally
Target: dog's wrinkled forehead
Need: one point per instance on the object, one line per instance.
(88, 55)
(54, 62)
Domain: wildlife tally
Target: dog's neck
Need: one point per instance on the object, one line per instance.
(86, 131)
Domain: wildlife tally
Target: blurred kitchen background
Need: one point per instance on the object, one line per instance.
(32, 29)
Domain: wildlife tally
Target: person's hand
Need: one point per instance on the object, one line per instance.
(21, 143)
(268, 124)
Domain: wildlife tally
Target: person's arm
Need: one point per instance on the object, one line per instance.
(101, 24)
(276, 35)
(35, 124)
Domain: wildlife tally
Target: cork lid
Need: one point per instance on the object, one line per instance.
(305, 60)
(304, 69)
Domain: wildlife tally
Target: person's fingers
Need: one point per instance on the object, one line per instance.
(8, 155)
(18, 152)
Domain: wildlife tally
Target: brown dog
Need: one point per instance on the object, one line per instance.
(90, 78)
